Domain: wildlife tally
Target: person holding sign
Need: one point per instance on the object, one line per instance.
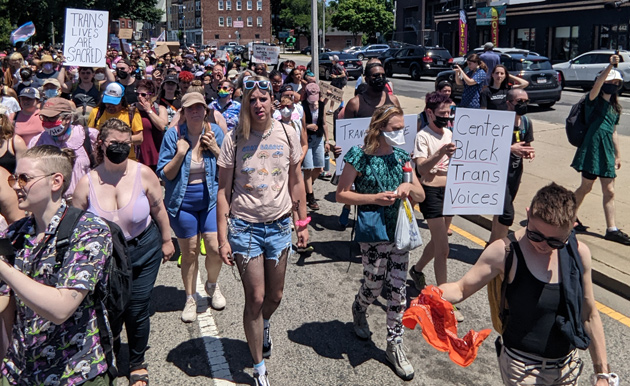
(376, 171)
(433, 150)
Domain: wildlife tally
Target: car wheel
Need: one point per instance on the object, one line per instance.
(546, 105)
(388, 71)
(415, 72)
(326, 74)
(360, 56)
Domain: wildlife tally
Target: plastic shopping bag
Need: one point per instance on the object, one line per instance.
(407, 232)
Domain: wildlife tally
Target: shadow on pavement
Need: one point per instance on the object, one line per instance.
(171, 299)
(336, 340)
(335, 251)
(238, 356)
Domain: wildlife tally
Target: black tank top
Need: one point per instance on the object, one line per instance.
(366, 111)
(8, 160)
(533, 305)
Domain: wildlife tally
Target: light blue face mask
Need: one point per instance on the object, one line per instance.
(50, 93)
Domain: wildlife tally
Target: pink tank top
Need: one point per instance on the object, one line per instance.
(134, 217)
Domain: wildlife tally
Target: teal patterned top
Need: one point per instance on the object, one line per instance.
(389, 170)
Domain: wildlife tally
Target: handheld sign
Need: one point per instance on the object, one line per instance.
(125, 33)
(265, 54)
(331, 92)
(477, 172)
(221, 55)
(351, 132)
(85, 42)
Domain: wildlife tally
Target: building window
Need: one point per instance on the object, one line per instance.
(525, 38)
(257, 36)
(129, 24)
(259, 5)
(565, 43)
(216, 36)
(221, 22)
(239, 5)
(250, 21)
(239, 18)
(198, 22)
(259, 21)
(229, 21)
(228, 5)
(181, 24)
(198, 5)
(249, 5)
(220, 5)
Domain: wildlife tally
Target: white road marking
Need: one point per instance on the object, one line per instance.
(219, 366)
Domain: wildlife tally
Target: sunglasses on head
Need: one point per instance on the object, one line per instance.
(539, 237)
(262, 84)
(23, 179)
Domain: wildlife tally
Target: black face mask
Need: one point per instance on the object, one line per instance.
(122, 74)
(378, 84)
(117, 152)
(441, 122)
(610, 88)
(520, 108)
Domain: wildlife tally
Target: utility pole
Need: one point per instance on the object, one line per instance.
(324, 24)
(314, 40)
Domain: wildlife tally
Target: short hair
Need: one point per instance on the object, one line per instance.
(442, 84)
(554, 205)
(434, 99)
(513, 92)
(112, 124)
(186, 76)
(149, 85)
(53, 159)
(370, 66)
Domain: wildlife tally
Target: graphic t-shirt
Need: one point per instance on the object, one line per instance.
(261, 181)
(428, 142)
(494, 99)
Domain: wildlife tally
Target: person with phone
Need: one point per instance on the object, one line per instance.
(473, 80)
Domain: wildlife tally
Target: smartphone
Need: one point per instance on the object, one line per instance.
(616, 53)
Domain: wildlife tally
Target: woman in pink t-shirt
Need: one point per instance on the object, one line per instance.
(27, 121)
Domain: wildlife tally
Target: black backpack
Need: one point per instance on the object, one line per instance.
(576, 125)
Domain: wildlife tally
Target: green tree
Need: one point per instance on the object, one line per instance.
(366, 16)
(296, 15)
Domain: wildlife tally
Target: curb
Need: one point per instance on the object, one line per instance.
(601, 278)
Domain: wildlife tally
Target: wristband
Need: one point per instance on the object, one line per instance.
(303, 223)
(612, 378)
(221, 246)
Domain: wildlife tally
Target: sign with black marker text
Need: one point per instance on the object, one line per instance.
(85, 42)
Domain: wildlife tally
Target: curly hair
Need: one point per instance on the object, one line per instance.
(112, 124)
(555, 205)
(186, 76)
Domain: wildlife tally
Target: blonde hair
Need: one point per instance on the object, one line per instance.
(54, 160)
(6, 127)
(244, 119)
(380, 119)
(196, 86)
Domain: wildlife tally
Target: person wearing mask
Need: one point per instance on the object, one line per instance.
(56, 116)
(229, 108)
(364, 104)
(598, 156)
(286, 68)
(51, 89)
(444, 88)
(9, 102)
(125, 77)
(188, 167)
(494, 97)
(381, 160)
(12, 146)
(520, 150)
(433, 150)
(129, 193)
(154, 123)
(27, 123)
(114, 105)
(289, 113)
(170, 96)
(473, 80)
(87, 91)
(254, 212)
(48, 70)
(491, 59)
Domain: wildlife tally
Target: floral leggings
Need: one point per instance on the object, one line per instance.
(383, 264)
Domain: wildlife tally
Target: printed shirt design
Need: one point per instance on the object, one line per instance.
(230, 114)
(43, 353)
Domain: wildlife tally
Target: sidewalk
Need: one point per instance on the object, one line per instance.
(611, 261)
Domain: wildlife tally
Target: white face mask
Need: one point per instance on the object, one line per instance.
(50, 93)
(394, 138)
(285, 112)
(288, 70)
(100, 76)
(56, 131)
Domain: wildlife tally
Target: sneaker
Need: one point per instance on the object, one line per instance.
(202, 248)
(618, 236)
(261, 379)
(418, 278)
(458, 315)
(217, 300)
(312, 205)
(396, 356)
(344, 217)
(189, 314)
(307, 249)
(360, 323)
(579, 227)
(267, 343)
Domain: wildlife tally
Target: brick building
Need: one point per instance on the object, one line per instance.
(240, 21)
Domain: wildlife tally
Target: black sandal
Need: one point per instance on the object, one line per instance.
(133, 378)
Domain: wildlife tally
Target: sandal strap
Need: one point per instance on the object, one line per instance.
(133, 378)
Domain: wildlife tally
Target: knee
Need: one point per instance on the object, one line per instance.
(254, 304)
(274, 297)
(608, 192)
(585, 187)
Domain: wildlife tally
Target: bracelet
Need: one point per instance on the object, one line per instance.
(303, 223)
(612, 378)
(224, 244)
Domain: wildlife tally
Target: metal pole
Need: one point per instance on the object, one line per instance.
(314, 40)
(323, 23)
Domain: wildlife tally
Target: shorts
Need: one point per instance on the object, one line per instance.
(590, 176)
(254, 239)
(518, 369)
(513, 183)
(193, 216)
(433, 202)
(314, 158)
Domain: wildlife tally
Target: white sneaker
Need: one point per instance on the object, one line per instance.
(189, 314)
(217, 300)
(396, 356)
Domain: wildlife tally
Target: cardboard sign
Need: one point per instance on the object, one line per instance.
(221, 55)
(477, 172)
(161, 50)
(351, 132)
(173, 47)
(330, 92)
(85, 42)
(114, 42)
(265, 54)
(125, 33)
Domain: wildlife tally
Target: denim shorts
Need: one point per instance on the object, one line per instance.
(314, 158)
(254, 239)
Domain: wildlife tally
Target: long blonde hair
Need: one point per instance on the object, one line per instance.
(380, 119)
(244, 120)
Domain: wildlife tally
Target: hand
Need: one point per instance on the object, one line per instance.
(385, 198)
(182, 145)
(519, 149)
(403, 190)
(337, 150)
(302, 236)
(168, 250)
(143, 104)
(311, 127)
(226, 253)
(448, 149)
(617, 163)
(208, 141)
(327, 147)
(614, 59)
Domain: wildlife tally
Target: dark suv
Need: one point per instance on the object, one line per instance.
(544, 88)
(418, 61)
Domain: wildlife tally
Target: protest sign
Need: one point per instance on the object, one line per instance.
(173, 47)
(477, 172)
(331, 92)
(160, 50)
(125, 33)
(221, 55)
(351, 132)
(265, 54)
(85, 42)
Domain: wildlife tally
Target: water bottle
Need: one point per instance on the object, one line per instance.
(326, 162)
(407, 170)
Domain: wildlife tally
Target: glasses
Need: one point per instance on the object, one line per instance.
(50, 119)
(519, 101)
(23, 179)
(143, 94)
(262, 84)
(539, 237)
(225, 88)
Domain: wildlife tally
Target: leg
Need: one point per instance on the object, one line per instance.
(426, 257)
(213, 260)
(583, 190)
(374, 259)
(437, 227)
(190, 263)
(274, 283)
(608, 192)
(252, 272)
(396, 277)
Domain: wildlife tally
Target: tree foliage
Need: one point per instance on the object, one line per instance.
(296, 14)
(366, 16)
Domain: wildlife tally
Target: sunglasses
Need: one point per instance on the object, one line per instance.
(519, 101)
(143, 94)
(539, 237)
(225, 88)
(262, 84)
(23, 179)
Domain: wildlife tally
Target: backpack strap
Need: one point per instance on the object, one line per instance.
(87, 146)
(99, 114)
(131, 110)
(509, 259)
(65, 230)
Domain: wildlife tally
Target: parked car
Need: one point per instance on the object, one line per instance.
(582, 70)
(349, 50)
(418, 61)
(461, 60)
(238, 50)
(307, 50)
(350, 62)
(371, 51)
(544, 86)
(388, 54)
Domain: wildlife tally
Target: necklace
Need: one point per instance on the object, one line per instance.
(265, 135)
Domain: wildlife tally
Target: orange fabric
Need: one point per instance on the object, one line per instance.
(439, 327)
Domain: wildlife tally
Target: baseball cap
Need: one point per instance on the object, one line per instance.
(56, 106)
(335, 58)
(193, 98)
(614, 75)
(488, 46)
(30, 92)
(312, 92)
(52, 81)
(189, 56)
(113, 93)
(46, 59)
(286, 87)
(170, 78)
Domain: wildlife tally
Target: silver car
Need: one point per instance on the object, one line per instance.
(582, 70)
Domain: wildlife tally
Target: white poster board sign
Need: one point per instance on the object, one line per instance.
(85, 42)
(477, 172)
(351, 132)
(221, 55)
(265, 54)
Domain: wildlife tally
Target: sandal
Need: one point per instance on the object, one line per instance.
(133, 378)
